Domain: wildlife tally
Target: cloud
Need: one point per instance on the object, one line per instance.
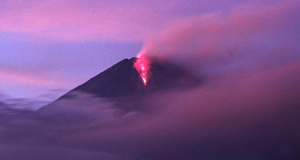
(248, 115)
(222, 37)
(28, 81)
(90, 21)
(82, 21)
(232, 117)
(53, 94)
(26, 152)
(7, 101)
(25, 103)
(2, 95)
(29, 75)
(18, 78)
(246, 108)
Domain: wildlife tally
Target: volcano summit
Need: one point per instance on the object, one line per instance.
(122, 81)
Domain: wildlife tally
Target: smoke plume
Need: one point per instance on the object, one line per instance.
(247, 108)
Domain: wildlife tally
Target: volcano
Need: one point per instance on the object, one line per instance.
(122, 81)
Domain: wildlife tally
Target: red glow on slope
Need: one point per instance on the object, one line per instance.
(142, 65)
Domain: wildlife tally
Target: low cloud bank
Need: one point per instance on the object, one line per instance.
(248, 106)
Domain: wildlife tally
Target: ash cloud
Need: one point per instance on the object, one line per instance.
(243, 38)
(248, 107)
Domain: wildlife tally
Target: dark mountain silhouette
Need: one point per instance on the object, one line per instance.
(121, 82)
(122, 79)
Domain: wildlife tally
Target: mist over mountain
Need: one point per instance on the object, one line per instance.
(232, 116)
(223, 85)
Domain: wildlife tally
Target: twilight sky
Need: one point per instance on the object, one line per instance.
(245, 52)
(48, 47)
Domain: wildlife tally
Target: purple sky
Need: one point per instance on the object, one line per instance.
(55, 45)
(245, 52)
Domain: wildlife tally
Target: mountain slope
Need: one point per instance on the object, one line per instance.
(122, 82)
(117, 81)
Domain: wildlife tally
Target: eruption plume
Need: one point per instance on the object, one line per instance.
(142, 65)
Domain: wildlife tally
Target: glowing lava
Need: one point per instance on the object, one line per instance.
(142, 65)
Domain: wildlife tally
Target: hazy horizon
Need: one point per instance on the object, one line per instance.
(213, 79)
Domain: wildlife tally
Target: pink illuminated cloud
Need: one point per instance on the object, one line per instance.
(215, 32)
(81, 21)
(27, 77)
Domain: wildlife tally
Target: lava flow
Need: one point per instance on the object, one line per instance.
(142, 65)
